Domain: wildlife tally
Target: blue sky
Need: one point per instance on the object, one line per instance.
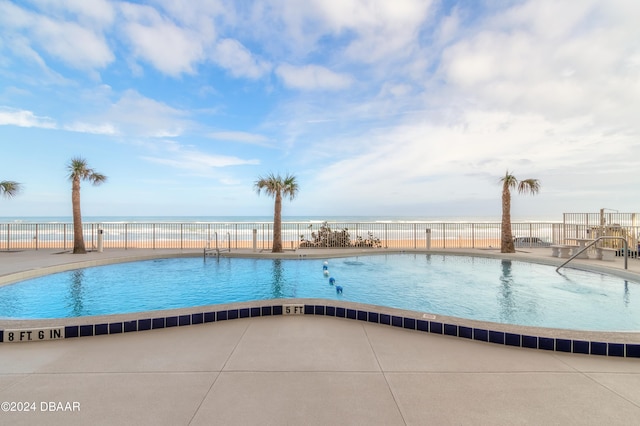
(404, 107)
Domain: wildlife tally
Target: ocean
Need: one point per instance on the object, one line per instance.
(268, 219)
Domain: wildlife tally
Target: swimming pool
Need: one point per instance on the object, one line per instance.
(487, 289)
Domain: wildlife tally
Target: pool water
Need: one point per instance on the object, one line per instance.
(478, 288)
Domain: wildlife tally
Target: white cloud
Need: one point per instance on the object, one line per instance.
(177, 37)
(77, 45)
(22, 118)
(196, 162)
(385, 29)
(89, 12)
(364, 30)
(244, 137)
(312, 77)
(170, 48)
(137, 115)
(535, 58)
(233, 56)
(95, 129)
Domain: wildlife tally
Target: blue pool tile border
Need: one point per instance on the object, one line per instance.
(363, 315)
(409, 323)
(633, 350)
(144, 324)
(101, 329)
(563, 345)
(130, 326)
(580, 347)
(71, 331)
(385, 319)
(184, 320)
(435, 327)
(158, 323)
(451, 330)
(512, 339)
(566, 345)
(465, 332)
(530, 342)
(171, 321)
(546, 343)
(197, 318)
(497, 337)
(396, 321)
(480, 334)
(616, 349)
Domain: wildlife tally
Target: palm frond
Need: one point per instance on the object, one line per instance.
(9, 188)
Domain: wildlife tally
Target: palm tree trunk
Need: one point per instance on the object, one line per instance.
(277, 224)
(506, 245)
(78, 239)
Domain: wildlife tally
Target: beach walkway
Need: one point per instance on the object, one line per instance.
(311, 370)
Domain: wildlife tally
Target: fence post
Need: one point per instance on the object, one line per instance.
(386, 238)
(444, 235)
(235, 237)
(473, 235)
(255, 240)
(126, 235)
(8, 236)
(428, 231)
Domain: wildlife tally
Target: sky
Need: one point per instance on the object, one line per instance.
(398, 108)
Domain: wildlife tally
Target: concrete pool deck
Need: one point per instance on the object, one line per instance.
(304, 370)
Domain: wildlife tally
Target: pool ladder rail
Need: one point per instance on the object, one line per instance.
(217, 250)
(624, 243)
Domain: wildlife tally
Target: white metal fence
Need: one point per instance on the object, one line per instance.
(604, 223)
(423, 235)
(294, 235)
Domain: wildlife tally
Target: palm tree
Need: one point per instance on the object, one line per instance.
(78, 170)
(9, 188)
(277, 186)
(510, 182)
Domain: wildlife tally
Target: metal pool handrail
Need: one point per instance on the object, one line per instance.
(217, 249)
(626, 250)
